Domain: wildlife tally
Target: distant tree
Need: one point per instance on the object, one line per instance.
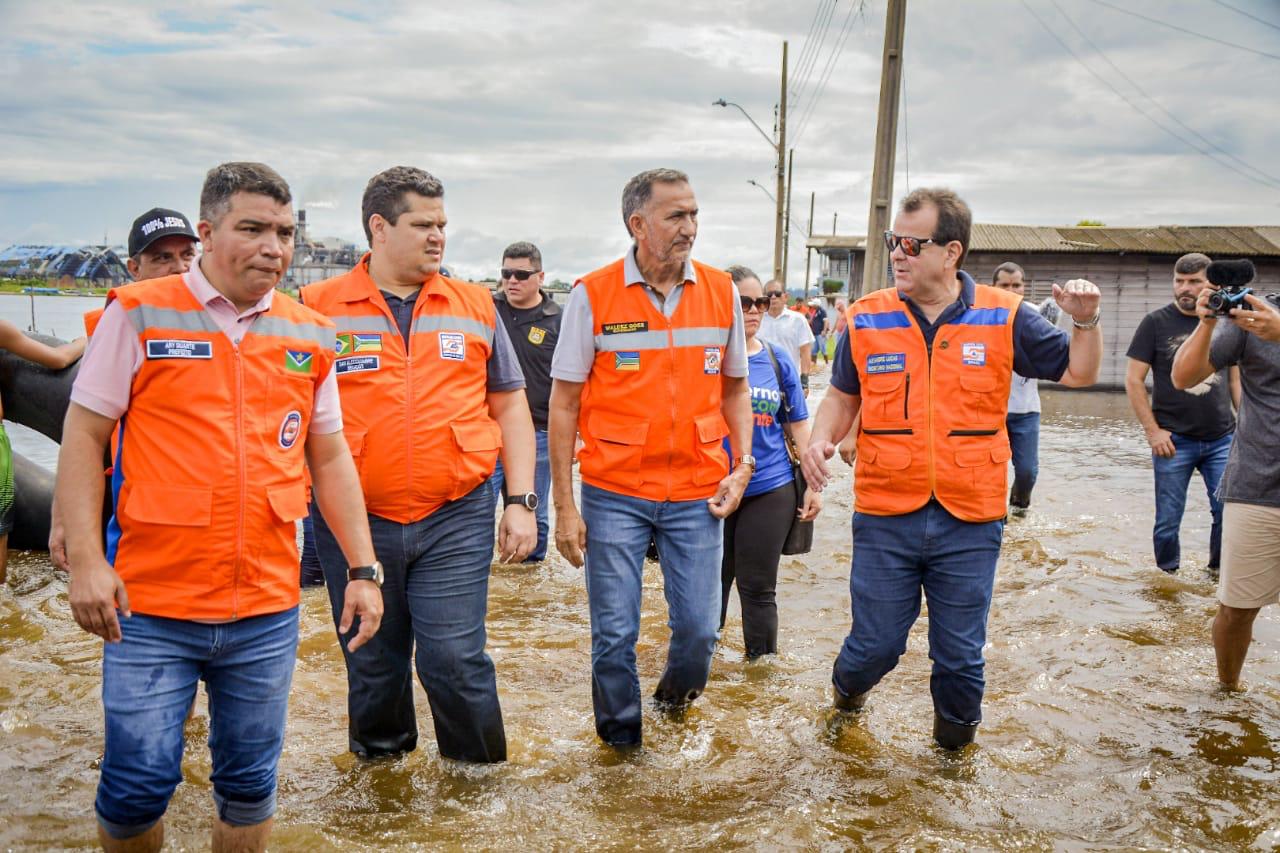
(832, 285)
(1091, 223)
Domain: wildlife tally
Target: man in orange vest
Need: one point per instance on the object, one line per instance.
(651, 370)
(928, 365)
(431, 392)
(201, 557)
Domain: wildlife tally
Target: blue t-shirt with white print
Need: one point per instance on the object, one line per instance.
(773, 468)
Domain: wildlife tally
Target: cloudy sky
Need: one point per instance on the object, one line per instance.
(535, 113)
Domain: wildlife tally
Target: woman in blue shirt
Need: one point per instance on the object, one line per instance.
(755, 532)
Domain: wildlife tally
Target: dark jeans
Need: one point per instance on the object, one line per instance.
(1024, 443)
(1173, 475)
(435, 596)
(753, 538)
(954, 562)
(312, 574)
(541, 487)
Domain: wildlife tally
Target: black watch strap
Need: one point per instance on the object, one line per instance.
(528, 500)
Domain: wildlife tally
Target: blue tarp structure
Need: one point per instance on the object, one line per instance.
(97, 264)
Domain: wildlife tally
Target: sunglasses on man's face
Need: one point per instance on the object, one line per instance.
(519, 275)
(760, 302)
(911, 246)
(774, 294)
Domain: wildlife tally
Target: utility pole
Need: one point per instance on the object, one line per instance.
(808, 252)
(778, 265)
(786, 240)
(873, 276)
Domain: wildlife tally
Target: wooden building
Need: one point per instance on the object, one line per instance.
(1133, 267)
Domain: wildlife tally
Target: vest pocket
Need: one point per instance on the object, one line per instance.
(355, 443)
(712, 463)
(984, 468)
(618, 448)
(980, 406)
(288, 502)
(476, 436)
(878, 473)
(885, 400)
(163, 503)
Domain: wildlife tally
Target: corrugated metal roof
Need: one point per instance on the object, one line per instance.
(1225, 240)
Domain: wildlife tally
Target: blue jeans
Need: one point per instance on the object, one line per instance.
(954, 562)
(148, 684)
(312, 574)
(1024, 443)
(435, 596)
(689, 539)
(1173, 475)
(541, 486)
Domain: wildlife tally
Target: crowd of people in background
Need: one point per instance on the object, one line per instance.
(390, 408)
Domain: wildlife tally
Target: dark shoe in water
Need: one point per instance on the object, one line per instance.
(952, 736)
(845, 702)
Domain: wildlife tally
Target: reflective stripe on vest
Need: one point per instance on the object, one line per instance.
(210, 457)
(650, 418)
(417, 419)
(933, 424)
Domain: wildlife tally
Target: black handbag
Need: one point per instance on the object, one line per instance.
(800, 537)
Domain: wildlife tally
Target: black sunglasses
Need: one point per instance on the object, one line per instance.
(774, 294)
(519, 275)
(760, 302)
(911, 246)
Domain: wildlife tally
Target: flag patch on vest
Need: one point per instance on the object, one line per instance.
(357, 364)
(343, 345)
(974, 353)
(624, 328)
(887, 362)
(453, 346)
(371, 342)
(629, 361)
(290, 428)
(711, 360)
(297, 360)
(179, 349)
(537, 336)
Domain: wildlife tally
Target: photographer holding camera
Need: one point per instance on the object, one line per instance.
(1250, 489)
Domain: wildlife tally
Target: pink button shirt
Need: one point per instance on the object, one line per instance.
(103, 383)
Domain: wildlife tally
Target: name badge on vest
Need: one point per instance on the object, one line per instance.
(453, 346)
(624, 328)
(886, 362)
(711, 360)
(974, 354)
(357, 364)
(179, 349)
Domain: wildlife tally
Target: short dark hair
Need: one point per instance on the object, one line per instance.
(227, 179)
(639, 190)
(385, 193)
(523, 249)
(738, 272)
(1011, 268)
(955, 220)
(1192, 263)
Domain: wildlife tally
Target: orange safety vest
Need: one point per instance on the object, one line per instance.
(933, 426)
(417, 422)
(209, 464)
(650, 419)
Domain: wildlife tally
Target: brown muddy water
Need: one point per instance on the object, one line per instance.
(1104, 727)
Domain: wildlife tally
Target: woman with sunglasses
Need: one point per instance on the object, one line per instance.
(755, 532)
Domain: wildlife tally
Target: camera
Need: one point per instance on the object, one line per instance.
(1231, 278)
(1222, 301)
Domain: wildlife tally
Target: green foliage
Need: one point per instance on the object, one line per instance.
(832, 285)
(1091, 223)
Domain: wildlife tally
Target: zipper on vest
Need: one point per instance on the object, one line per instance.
(906, 401)
(240, 459)
(907, 431)
(671, 384)
(972, 432)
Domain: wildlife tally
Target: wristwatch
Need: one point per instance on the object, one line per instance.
(371, 572)
(528, 500)
(745, 459)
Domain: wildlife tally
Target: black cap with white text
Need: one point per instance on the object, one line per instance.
(156, 223)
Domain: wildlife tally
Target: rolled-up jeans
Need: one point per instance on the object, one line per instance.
(434, 598)
(689, 541)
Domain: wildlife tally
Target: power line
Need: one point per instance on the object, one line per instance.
(807, 47)
(812, 48)
(1247, 14)
(1135, 107)
(837, 49)
(1147, 95)
(906, 130)
(1185, 30)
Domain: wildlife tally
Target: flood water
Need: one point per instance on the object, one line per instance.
(1103, 723)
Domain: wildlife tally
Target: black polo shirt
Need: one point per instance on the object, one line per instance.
(533, 332)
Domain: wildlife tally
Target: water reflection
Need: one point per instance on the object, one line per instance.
(1103, 723)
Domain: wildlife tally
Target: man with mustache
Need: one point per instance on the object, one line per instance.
(1188, 430)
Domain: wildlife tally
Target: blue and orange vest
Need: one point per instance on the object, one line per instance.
(209, 461)
(650, 419)
(416, 419)
(933, 426)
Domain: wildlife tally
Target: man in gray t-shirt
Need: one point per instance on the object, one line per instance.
(1250, 487)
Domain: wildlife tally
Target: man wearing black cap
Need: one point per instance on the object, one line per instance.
(161, 242)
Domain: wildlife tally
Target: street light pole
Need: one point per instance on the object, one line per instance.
(779, 266)
(786, 240)
(808, 252)
(873, 269)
